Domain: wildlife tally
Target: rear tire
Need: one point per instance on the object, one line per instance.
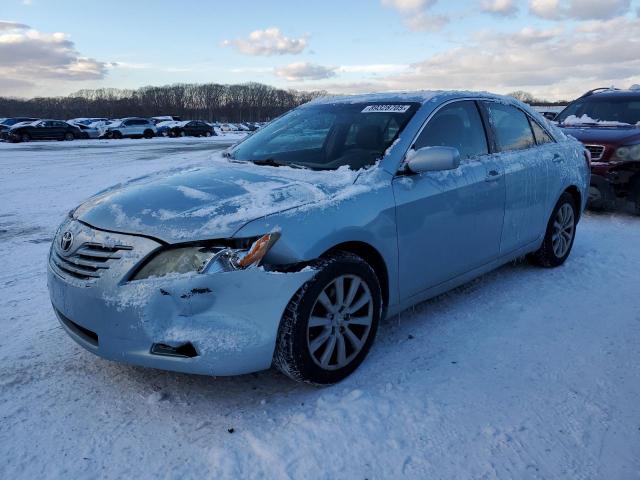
(148, 134)
(69, 136)
(330, 323)
(560, 234)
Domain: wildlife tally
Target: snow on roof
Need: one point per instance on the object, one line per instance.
(419, 96)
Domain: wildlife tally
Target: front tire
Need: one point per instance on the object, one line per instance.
(634, 193)
(25, 137)
(601, 194)
(330, 324)
(69, 136)
(116, 135)
(560, 234)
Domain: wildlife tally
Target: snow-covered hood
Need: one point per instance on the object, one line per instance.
(602, 134)
(209, 203)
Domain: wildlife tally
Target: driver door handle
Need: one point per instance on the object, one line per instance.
(492, 176)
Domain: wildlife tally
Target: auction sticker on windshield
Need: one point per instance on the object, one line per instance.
(386, 108)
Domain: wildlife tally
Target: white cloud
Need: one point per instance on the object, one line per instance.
(305, 71)
(549, 9)
(379, 68)
(27, 54)
(504, 8)
(598, 9)
(6, 26)
(309, 71)
(409, 5)
(268, 42)
(579, 9)
(417, 16)
(425, 22)
(553, 63)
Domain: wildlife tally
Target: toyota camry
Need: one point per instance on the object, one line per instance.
(292, 246)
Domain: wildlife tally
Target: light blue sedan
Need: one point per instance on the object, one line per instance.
(289, 250)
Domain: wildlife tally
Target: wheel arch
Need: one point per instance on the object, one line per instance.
(577, 197)
(373, 257)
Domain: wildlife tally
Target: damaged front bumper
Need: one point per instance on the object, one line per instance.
(214, 324)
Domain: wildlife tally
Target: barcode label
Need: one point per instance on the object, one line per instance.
(385, 108)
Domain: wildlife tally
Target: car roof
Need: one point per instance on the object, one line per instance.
(418, 96)
(614, 94)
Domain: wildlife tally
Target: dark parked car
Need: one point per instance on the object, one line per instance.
(607, 121)
(193, 128)
(43, 130)
(7, 123)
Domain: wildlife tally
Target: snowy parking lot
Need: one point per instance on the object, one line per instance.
(523, 373)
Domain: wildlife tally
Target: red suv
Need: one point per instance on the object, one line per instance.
(607, 121)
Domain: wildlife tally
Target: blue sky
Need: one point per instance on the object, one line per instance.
(553, 48)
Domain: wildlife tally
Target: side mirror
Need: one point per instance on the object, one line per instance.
(549, 115)
(433, 159)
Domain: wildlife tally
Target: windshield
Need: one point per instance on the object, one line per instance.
(328, 136)
(12, 121)
(602, 110)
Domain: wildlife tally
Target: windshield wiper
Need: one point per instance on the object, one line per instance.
(272, 162)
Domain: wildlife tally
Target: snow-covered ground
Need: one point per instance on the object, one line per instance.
(549, 108)
(524, 373)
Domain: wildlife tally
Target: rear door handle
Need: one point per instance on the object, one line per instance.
(492, 176)
(557, 158)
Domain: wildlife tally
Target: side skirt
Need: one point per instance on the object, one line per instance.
(461, 279)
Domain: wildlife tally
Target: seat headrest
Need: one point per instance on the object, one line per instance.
(369, 137)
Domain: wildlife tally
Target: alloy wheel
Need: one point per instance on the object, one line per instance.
(340, 322)
(563, 230)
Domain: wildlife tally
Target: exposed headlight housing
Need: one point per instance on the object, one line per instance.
(627, 153)
(206, 259)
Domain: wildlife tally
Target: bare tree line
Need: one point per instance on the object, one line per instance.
(529, 98)
(209, 101)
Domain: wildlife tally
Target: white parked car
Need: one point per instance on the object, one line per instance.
(132, 127)
(90, 131)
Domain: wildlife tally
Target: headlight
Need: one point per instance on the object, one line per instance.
(206, 259)
(627, 153)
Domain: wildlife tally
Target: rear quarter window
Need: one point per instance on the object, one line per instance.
(540, 134)
(511, 127)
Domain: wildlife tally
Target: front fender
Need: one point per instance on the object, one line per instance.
(311, 230)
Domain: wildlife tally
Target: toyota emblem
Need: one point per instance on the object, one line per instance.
(66, 241)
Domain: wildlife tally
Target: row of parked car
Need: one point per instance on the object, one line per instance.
(25, 129)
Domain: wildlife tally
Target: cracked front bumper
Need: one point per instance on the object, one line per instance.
(230, 318)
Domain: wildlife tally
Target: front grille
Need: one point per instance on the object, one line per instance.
(88, 261)
(597, 152)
